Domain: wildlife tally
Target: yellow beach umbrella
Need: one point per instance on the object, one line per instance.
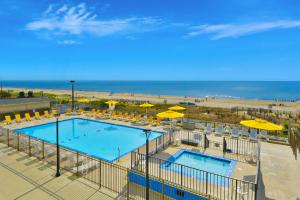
(170, 114)
(177, 108)
(111, 102)
(261, 124)
(146, 105)
(83, 100)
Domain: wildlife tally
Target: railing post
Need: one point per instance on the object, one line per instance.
(8, 137)
(236, 187)
(29, 149)
(43, 147)
(156, 145)
(163, 189)
(77, 162)
(18, 135)
(163, 137)
(100, 176)
(237, 146)
(181, 175)
(206, 183)
(128, 182)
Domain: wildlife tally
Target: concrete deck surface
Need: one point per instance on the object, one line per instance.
(24, 177)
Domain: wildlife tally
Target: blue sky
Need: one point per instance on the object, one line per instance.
(150, 40)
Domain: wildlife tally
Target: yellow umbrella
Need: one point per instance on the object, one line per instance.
(177, 108)
(112, 102)
(146, 105)
(261, 124)
(170, 114)
(83, 100)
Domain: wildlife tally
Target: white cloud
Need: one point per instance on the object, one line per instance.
(76, 20)
(220, 31)
(68, 42)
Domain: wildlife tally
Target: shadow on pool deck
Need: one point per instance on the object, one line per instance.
(35, 179)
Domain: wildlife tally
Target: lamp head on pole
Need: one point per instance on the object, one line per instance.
(57, 115)
(72, 81)
(147, 132)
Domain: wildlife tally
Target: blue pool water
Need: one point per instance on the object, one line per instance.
(94, 138)
(199, 161)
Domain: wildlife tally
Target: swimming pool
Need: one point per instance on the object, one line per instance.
(199, 162)
(98, 139)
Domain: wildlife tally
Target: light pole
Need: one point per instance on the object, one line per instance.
(57, 147)
(147, 133)
(72, 83)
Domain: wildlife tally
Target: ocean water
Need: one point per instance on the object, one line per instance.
(268, 90)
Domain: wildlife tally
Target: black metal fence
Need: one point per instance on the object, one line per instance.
(102, 173)
(202, 182)
(241, 149)
(157, 144)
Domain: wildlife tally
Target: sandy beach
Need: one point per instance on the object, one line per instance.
(208, 102)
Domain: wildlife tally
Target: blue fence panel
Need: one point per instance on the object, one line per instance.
(157, 186)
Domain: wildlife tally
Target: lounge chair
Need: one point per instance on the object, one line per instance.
(69, 111)
(263, 134)
(157, 122)
(219, 131)
(54, 112)
(124, 117)
(200, 126)
(46, 114)
(138, 118)
(208, 129)
(253, 135)
(84, 168)
(119, 116)
(244, 132)
(18, 118)
(149, 120)
(235, 133)
(27, 117)
(92, 112)
(8, 119)
(130, 118)
(37, 116)
(80, 111)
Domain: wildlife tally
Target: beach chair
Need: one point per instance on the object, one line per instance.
(253, 135)
(120, 116)
(219, 131)
(208, 129)
(244, 132)
(264, 134)
(69, 111)
(27, 117)
(46, 114)
(113, 115)
(235, 133)
(8, 119)
(80, 111)
(18, 118)
(54, 112)
(37, 116)
(131, 117)
(157, 122)
(149, 120)
(125, 117)
(138, 118)
(92, 112)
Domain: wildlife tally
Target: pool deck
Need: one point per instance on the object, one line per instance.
(280, 177)
(24, 177)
